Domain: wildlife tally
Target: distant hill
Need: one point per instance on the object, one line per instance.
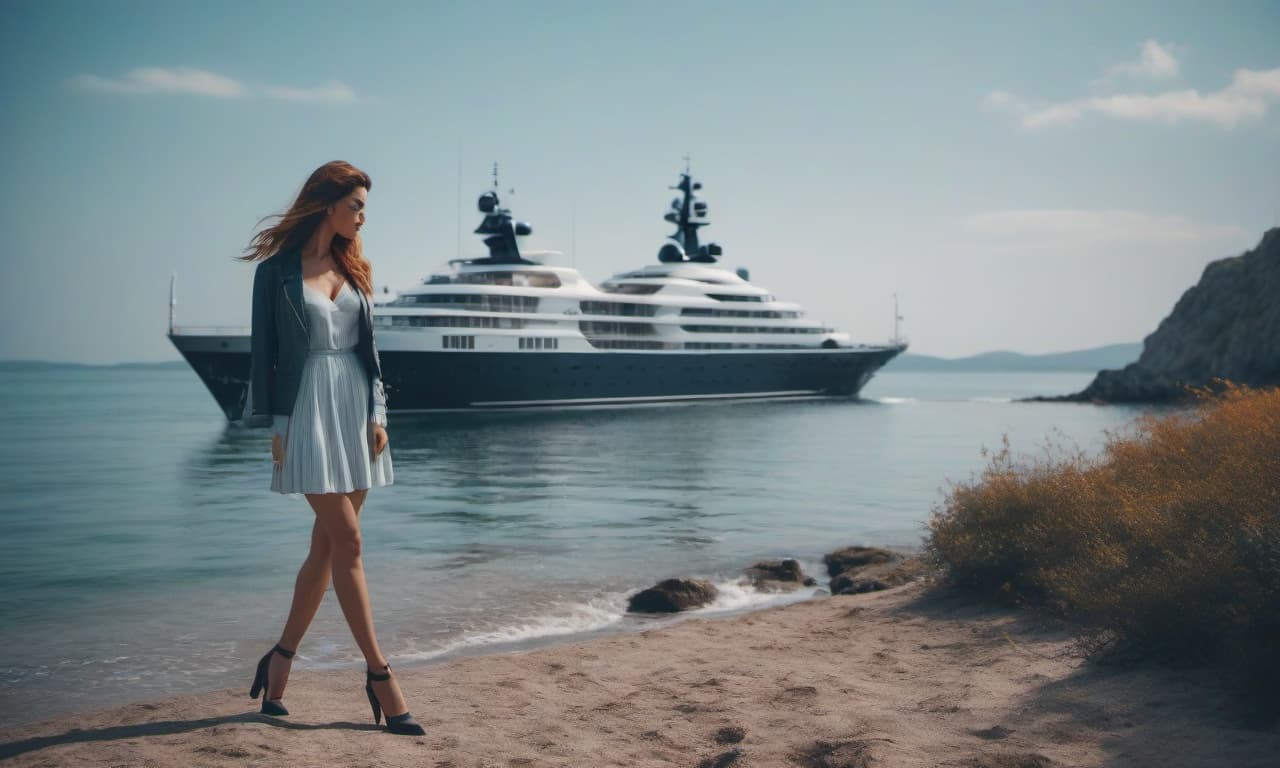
(1225, 326)
(1111, 356)
(38, 365)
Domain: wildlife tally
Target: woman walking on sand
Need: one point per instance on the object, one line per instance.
(315, 377)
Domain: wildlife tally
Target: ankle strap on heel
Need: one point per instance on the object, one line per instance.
(377, 676)
(287, 654)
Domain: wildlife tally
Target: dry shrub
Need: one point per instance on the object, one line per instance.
(1169, 540)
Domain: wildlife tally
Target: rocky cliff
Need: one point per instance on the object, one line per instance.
(1226, 326)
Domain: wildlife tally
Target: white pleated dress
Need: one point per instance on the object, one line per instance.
(326, 440)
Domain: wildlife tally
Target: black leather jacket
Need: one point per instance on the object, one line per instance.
(279, 342)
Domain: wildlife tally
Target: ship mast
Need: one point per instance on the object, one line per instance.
(688, 213)
(499, 229)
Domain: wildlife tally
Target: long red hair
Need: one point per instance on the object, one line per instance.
(327, 185)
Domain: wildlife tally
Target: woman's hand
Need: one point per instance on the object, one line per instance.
(377, 439)
(277, 450)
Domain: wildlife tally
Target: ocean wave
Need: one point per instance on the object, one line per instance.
(607, 611)
(913, 400)
(738, 596)
(575, 618)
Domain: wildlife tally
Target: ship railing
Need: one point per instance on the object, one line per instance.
(209, 330)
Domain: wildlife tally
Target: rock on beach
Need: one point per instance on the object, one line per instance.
(778, 576)
(855, 570)
(673, 595)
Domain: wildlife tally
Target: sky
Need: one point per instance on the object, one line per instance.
(1036, 177)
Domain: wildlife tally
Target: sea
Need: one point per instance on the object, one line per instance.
(142, 553)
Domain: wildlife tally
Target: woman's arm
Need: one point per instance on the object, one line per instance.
(262, 349)
(377, 393)
(377, 406)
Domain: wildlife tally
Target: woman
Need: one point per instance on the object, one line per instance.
(316, 378)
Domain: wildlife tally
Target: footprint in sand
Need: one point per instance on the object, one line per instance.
(855, 753)
(1011, 760)
(797, 693)
(722, 760)
(993, 733)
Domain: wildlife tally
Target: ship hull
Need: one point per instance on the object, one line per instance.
(419, 381)
(222, 363)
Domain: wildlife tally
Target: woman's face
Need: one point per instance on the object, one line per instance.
(347, 215)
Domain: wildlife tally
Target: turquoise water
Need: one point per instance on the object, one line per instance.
(142, 554)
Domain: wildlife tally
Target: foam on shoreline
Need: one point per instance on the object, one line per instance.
(599, 615)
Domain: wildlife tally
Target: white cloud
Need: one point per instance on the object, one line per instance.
(1250, 82)
(1156, 61)
(1052, 115)
(1077, 226)
(1247, 97)
(204, 83)
(332, 92)
(161, 80)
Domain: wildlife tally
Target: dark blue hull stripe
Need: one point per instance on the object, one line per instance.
(464, 380)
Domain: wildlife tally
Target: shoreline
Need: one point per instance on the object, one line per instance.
(903, 677)
(737, 598)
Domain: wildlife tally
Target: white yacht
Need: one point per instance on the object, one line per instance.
(512, 330)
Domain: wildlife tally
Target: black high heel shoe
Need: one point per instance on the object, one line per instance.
(404, 724)
(260, 683)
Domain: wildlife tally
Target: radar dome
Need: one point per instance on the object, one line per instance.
(671, 252)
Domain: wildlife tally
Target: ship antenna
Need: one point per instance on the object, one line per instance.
(459, 227)
(173, 299)
(897, 318)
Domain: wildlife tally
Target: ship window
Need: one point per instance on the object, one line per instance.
(476, 302)
(635, 289)
(539, 279)
(523, 278)
(590, 327)
(458, 342)
(726, 345)
(750, 329)
(763, 313)
(736, 297)
(453, 321)
(538, 342)
(630, 344)
(621, 308)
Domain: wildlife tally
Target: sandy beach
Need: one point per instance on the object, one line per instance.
(903, 677)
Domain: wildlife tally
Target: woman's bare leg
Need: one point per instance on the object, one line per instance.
(308, 593)
(339, 516)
